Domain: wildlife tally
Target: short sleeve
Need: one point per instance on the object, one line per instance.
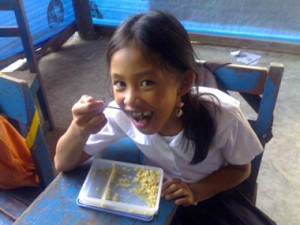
(241, 144)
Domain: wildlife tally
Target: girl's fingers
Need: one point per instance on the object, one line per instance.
(176, 189)
(95, 124)
(182, 197)
(87, 114)
(183, 201)
(170, 182)
(171, 185)
(86, 98)
(83, 107)
(91, 118)
(170, 189)
(176, 193)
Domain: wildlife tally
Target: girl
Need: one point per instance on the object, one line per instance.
(197, 135)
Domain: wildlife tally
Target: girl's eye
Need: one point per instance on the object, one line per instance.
(146, 83)
(119, 84)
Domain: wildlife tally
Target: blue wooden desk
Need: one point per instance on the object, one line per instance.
(57, 204)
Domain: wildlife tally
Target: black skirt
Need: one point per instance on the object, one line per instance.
(228, 208)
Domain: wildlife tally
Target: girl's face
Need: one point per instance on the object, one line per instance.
(146, 93)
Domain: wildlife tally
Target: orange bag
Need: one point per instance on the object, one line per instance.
(16, 166)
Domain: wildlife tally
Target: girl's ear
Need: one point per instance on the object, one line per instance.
(187, 82)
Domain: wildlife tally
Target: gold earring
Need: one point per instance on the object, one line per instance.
(179, 111)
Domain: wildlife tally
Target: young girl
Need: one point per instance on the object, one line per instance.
(197, 135)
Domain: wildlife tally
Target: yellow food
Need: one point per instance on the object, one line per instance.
(115, 197)
(123, 182)
(114, 174)
(107, 194)
(148, 181)
(145, 181)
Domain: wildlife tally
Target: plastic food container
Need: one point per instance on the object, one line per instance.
(121, 188)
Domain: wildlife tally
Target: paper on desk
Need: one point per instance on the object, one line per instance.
(246, 57)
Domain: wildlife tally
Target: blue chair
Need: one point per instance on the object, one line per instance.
(258, 87)
(17, 104)
(23, 32)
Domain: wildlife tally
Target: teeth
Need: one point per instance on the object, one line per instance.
(136, 114)
(141, 115)
(147, 113)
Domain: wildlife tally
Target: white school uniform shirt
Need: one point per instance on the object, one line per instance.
(234, 143)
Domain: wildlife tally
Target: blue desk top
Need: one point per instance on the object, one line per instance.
(57, 204)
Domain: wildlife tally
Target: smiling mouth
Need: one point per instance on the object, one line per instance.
(140, 116)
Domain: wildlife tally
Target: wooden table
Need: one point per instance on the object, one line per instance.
(57, 204)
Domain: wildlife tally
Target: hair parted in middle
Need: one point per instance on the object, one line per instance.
(164, 41)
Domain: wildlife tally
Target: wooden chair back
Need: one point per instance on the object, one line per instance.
(21, 30)
(16, 102)
(17, 105)
(259, 87)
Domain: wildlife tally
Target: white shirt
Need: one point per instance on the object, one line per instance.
(235, 142)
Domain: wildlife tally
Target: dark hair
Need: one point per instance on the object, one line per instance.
(163, 40)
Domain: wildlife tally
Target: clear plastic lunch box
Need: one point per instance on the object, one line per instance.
(121, 188)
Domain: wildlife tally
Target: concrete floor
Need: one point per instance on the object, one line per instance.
(79, 68)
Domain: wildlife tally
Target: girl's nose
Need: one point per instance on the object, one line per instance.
(131, 97)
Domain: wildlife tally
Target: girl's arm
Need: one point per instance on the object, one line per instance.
(87, 119)
(222, 180)
(69, 149)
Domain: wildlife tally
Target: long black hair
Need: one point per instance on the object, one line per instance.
(163, 40)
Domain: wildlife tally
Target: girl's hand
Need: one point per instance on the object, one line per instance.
(87, 114)
(176, 189)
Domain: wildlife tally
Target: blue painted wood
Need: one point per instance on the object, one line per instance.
(11, 207)
(16, 102)
(23, 27)
(26, 195)
(57, 204)
(271, 90)
(262, 82)
(5, 220)
(4, 5)
(259, 86)
(46, 19)
(22, 30)
(243, 80)
(41, 158)
(9, 32)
